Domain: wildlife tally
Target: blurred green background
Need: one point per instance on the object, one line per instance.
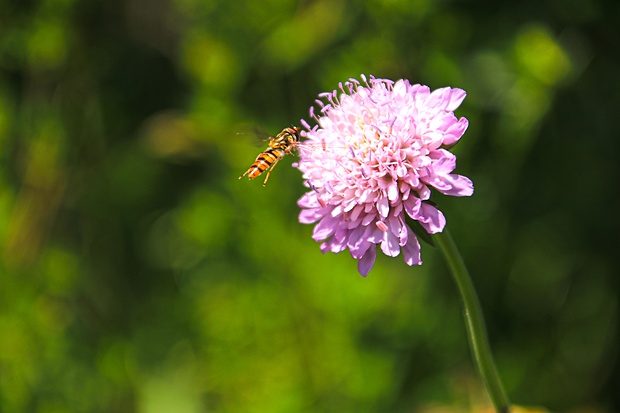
(138, 274)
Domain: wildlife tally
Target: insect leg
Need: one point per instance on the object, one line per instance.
(273, 165)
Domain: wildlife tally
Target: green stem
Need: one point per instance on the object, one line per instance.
(475, 323)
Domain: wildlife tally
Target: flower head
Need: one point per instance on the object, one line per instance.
(384, 148)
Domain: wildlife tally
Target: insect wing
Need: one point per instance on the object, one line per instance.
(279, 145)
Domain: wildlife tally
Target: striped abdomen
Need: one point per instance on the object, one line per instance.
(264, 161)
(283, 143)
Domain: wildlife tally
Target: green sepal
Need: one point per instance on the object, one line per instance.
(421, 233)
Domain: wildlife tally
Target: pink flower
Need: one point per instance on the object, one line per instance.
(383, 149)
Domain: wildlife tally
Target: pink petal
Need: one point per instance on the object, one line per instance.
(389, 245)
(404, 236)
(365, 264)
(383, 206)
(356, 212)
(325, 228)
(374, 235)
(308, 200)
(456, 185)
(456, 98)
(356, 237)
(455, 131)
(392, 192)
(412, 206)
(368, 218)
(371, 236)
(333, 245)
(341, 233)
(310, 216)
(439, 98)
(411, 250)
(445, 162)
(431, 219)
(395, 225)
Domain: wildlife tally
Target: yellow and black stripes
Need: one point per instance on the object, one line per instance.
(282, 144)
(264, 161)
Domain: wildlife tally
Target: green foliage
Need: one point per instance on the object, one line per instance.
(138, 274)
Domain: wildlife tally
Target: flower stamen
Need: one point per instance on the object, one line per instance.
(381, 225)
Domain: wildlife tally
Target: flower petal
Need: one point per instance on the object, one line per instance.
(325, 228)
(389, 245)
(455, 131)
(365, 264)
(310, 216)
(431, 219)
(456, 98)
(440, 98)
(411, 250)
(456, 185)
(383, 206)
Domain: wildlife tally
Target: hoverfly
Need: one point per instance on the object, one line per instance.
(279, 146)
